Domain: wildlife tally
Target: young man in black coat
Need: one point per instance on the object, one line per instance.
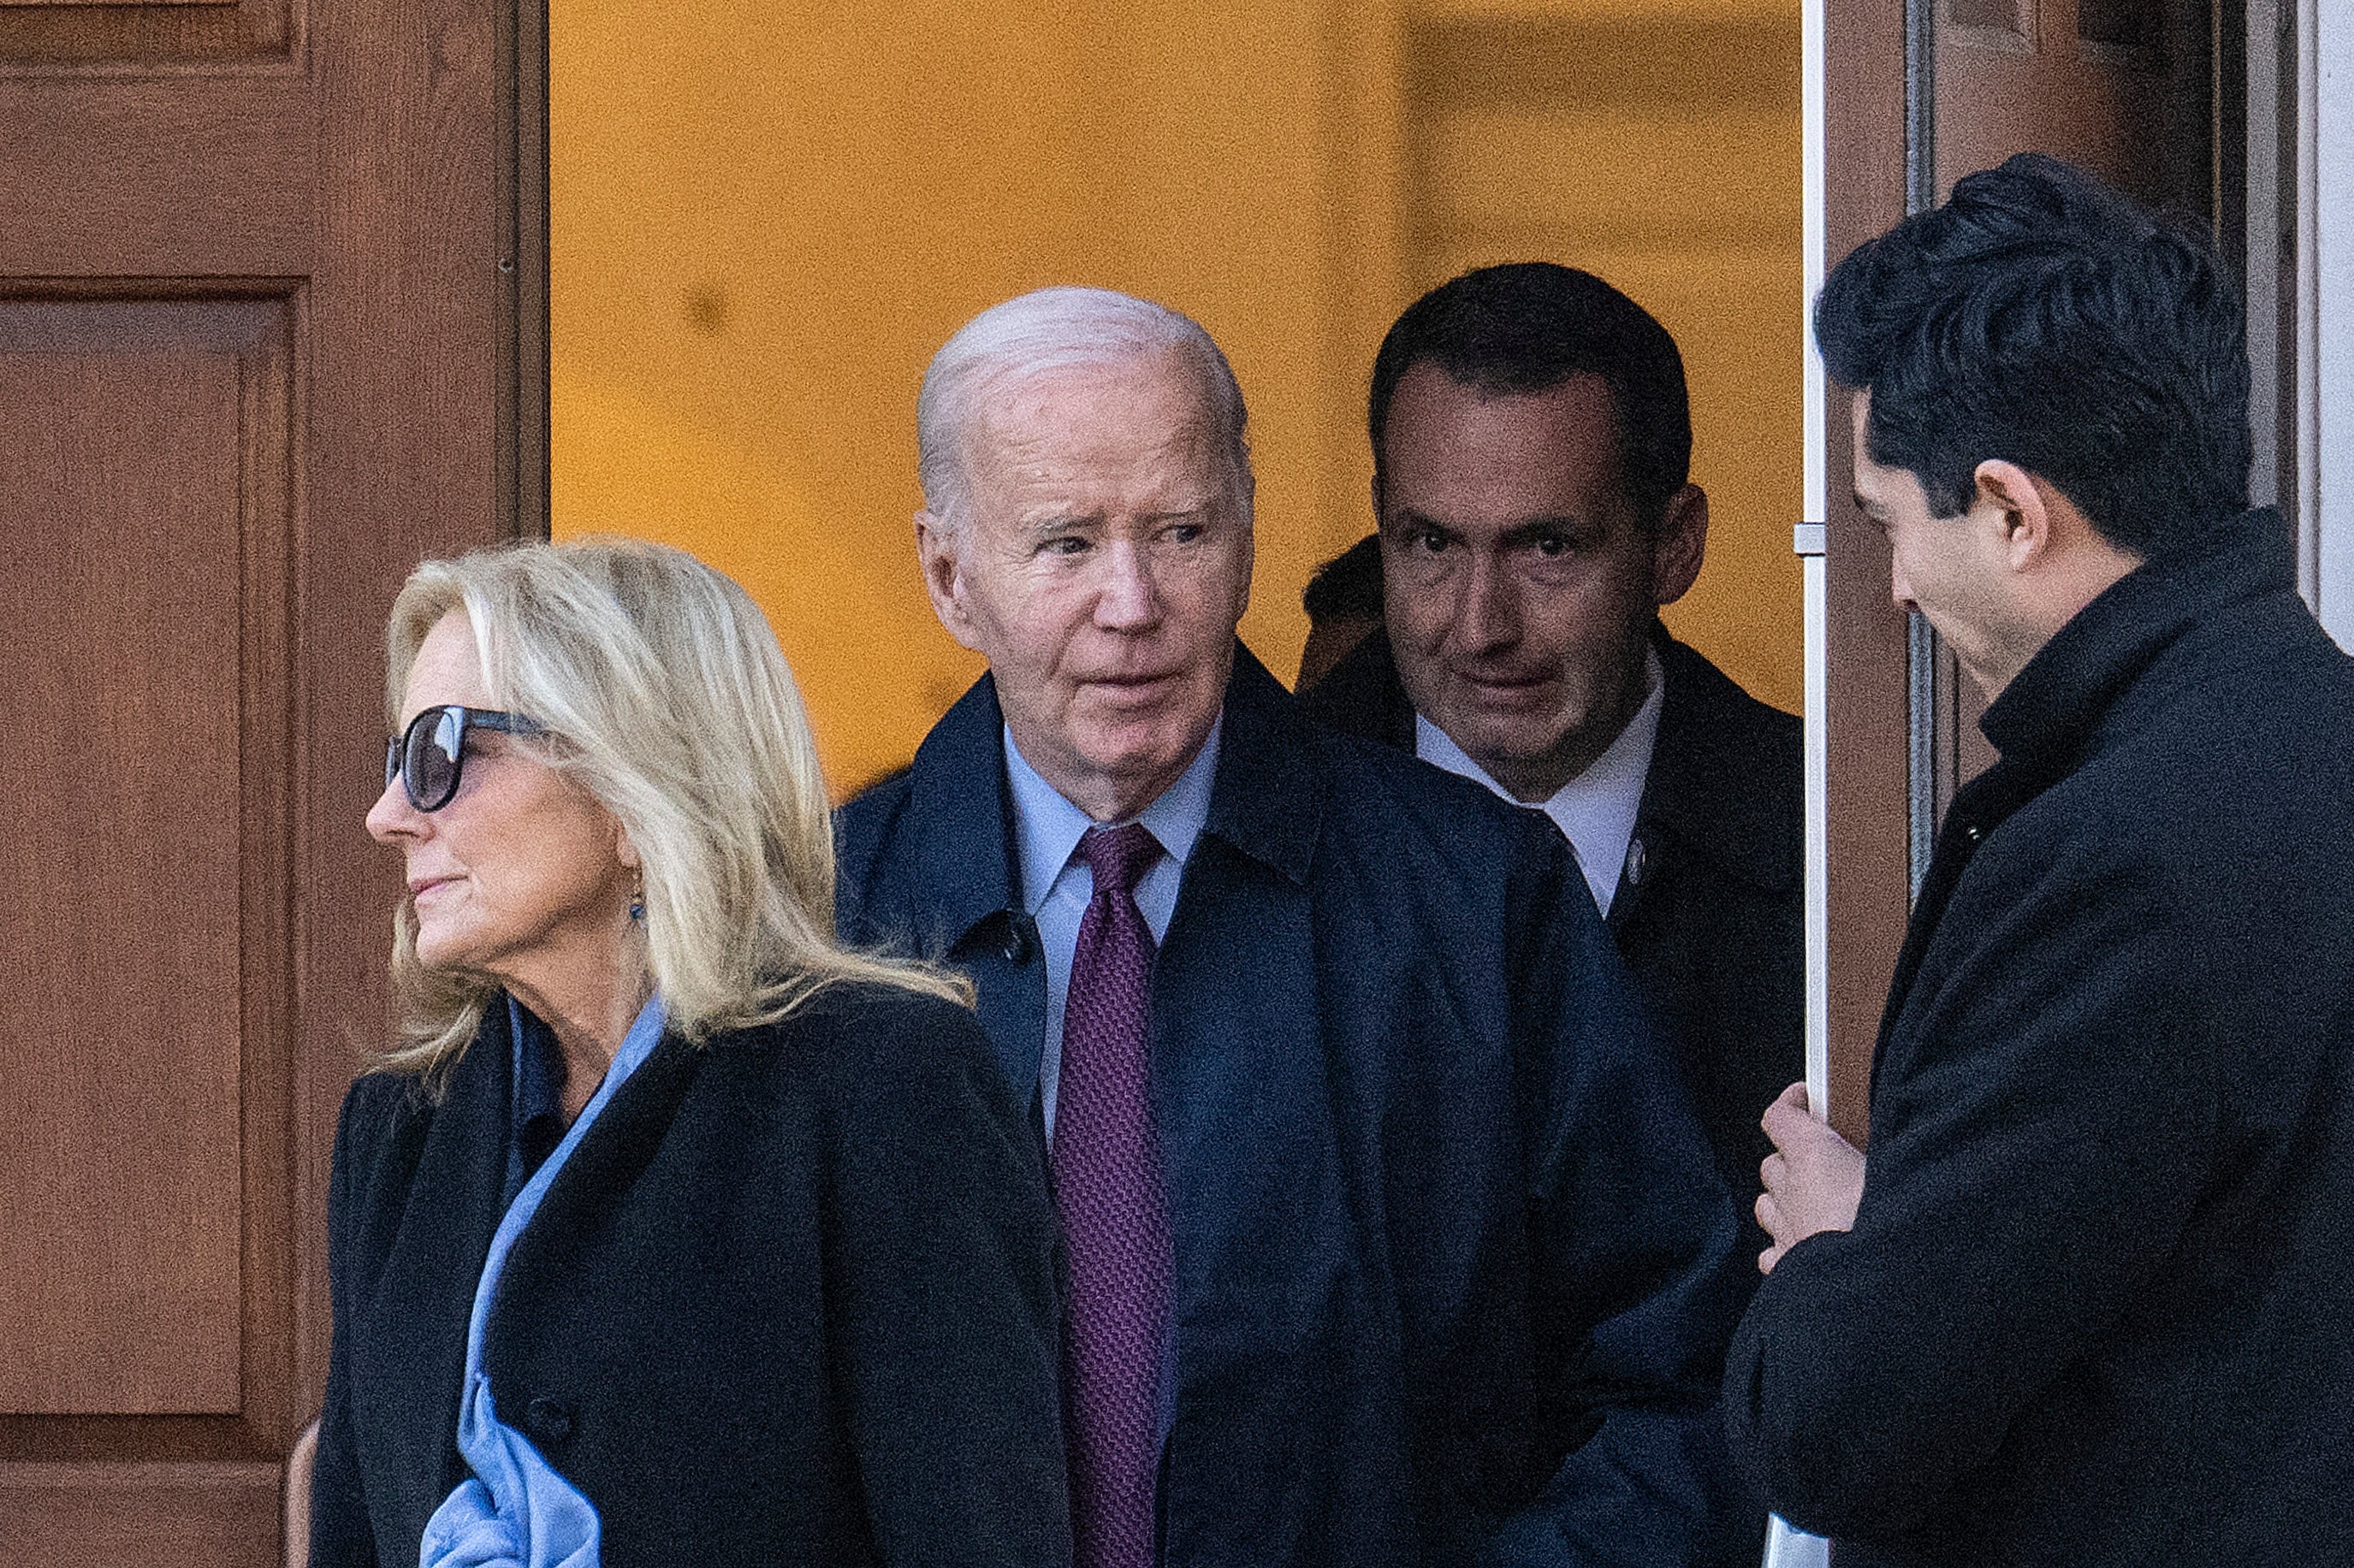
(1531, 477)
(2087, 1302)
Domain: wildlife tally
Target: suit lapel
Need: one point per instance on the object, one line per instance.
(1241, 1092)
(409, 1349)
(596, 1179)
(1239, 1068)
(1693, 806)
(1263, 801)
(965, 885)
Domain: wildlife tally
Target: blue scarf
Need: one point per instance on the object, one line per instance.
(517, 1511)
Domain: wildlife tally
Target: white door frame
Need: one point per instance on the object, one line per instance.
(2324, 381)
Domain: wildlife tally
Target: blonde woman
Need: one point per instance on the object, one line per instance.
(669, 1232)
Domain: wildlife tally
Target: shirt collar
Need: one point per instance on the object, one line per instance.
(538, 1084)
(536, 1097)
(1597, 810)
(539, 1073)
(1615, 778)
(1047, 827)
(1618, 770)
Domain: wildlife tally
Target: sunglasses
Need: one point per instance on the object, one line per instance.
(427, 757)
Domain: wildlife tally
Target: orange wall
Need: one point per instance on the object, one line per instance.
(766, 218)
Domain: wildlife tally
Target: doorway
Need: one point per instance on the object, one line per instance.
(2152, 94)
(764, 223)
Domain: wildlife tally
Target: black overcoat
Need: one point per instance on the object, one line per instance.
(1709, 910)
(791, 1301)
(1451, 1261)
(2098, 1304)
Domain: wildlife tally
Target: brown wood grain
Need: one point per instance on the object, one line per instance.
(131, 334)
(31, 3)
(43, 37)
(135, 1516)
(119, 1118)
(268, 264)
(1869, 887)
(86, 155)
(2139, 118)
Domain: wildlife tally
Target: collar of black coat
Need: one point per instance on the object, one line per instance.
(1726, 775)
(2052, 708)
(1262, 799)
(1725, 780)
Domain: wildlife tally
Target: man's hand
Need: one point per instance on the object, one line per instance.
(1814, 1178)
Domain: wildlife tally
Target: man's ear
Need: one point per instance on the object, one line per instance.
(944, 577)
(2026, 517)
(1679, 545)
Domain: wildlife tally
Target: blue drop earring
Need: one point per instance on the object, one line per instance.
(638, 905)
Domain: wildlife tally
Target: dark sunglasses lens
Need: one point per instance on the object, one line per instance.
(428, 767)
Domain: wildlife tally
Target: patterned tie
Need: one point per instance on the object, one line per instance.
(1107, 1165)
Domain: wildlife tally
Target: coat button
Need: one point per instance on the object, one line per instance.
(548, 1420)
(1017, 942)
(1972, 832)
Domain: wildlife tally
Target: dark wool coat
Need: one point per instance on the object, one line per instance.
(791, 1301)
(1451, 1263)
(1709, 911)
(2098, 1304)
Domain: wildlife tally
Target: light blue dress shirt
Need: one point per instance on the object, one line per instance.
(517, 1511)
(1056, 884)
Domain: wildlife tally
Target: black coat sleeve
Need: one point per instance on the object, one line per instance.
(2039, 1129)
(1633, 1257)
(340, 1533)
(942, 1302)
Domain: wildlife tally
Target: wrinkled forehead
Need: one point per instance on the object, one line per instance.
(1100, 416)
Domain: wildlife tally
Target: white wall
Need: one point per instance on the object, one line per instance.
(2328, 220)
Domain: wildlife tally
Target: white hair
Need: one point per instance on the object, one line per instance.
(661, 690)
(1052, 329)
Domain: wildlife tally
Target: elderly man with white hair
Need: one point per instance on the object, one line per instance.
(1391, 1241)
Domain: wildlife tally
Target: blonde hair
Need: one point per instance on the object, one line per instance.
(663, 693)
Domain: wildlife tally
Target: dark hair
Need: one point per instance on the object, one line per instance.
(2040, 318)
(1528, 326)
(1350, 583)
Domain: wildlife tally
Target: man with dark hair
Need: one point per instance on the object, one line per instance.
(1343, 602)
(1532, 451)
(2087, 1303)
(1391, 1240)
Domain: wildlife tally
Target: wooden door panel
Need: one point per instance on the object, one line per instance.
(39, 35)
(84, 157)
(120, 1124)
(144, 2)
(145, 787)
(139, 1516)
(2122, 86)
(261, 351)
(1865, 712)
(2119, 85)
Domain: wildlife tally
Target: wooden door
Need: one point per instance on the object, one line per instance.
(1916, 95)
(265, 315)
(2124, 88)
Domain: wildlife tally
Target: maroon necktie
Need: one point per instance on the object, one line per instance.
(1107, 1165)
